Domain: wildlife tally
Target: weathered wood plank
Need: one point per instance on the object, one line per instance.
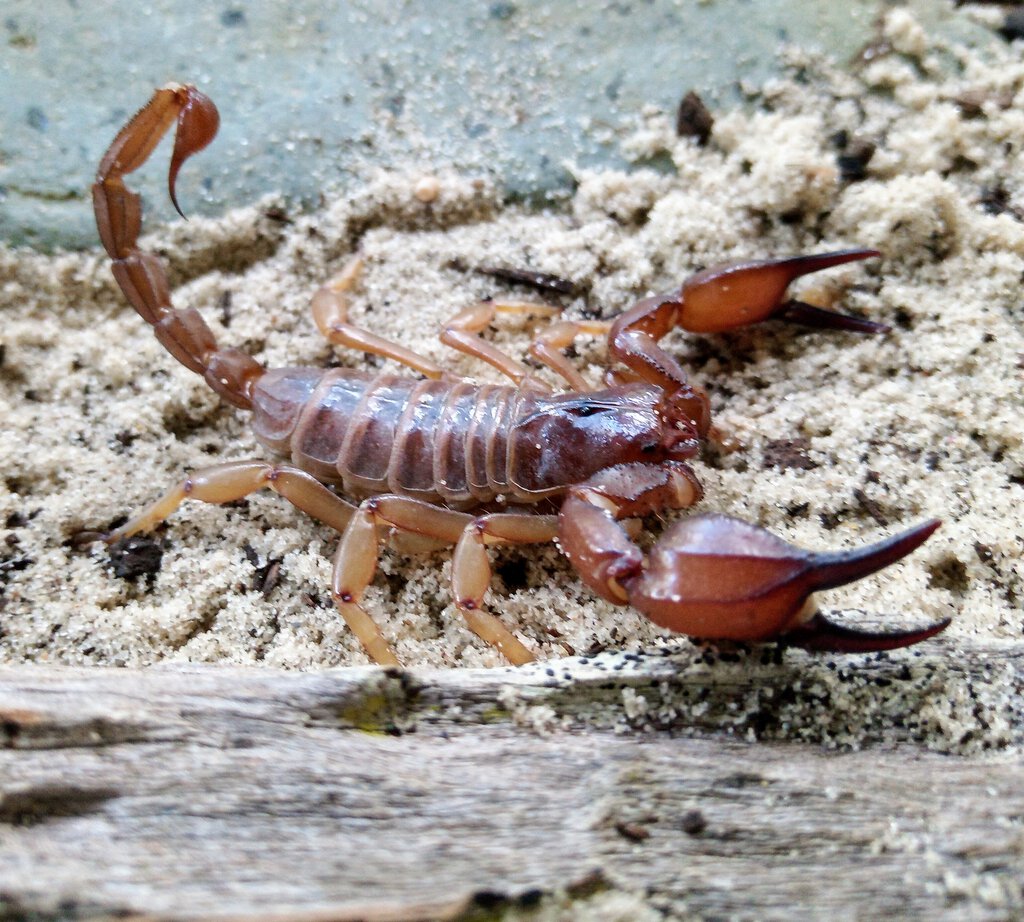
(355, 793)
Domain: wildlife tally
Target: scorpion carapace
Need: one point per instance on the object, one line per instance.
(438, 459)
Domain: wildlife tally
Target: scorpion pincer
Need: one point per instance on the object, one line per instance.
(435, 459)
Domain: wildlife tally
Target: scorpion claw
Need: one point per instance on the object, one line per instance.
(721, 578)
(720, 298)
(738, 294)
(198, 121)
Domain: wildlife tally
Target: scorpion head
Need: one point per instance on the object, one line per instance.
(564, 439)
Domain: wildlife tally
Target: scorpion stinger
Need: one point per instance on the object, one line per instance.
(198, 122)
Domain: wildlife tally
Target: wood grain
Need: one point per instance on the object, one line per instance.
(571, 787)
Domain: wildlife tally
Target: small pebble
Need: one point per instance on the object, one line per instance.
(427, 189)
(693, 822)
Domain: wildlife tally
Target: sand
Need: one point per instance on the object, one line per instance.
(829, 439)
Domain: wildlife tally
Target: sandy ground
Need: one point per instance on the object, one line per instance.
(839, 439)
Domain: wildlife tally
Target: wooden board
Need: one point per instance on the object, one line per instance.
(591, 789)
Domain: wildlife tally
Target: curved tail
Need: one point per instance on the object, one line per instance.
(142, 277)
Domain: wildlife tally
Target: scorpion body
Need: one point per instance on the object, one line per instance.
(441, 460)
(451, 442)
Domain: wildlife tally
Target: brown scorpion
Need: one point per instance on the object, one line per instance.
(439, 460)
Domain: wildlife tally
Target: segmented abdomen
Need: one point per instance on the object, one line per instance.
(371, 433)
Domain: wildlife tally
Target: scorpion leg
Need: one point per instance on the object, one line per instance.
(463, 331)
(547, 347)
(357, 556)
(359, 550)
(330, 312)
(224, 483)
(471, 571)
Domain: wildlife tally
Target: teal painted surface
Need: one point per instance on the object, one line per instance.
(311, 92)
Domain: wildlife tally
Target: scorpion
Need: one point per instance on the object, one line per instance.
(437, 460)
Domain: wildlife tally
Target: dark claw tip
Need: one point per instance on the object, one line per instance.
(826, 636)
(842, 567)
(815, 262)
(810, 316)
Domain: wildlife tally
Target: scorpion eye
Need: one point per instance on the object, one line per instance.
(584, 410)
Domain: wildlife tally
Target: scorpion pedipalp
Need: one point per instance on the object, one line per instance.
(720, 578)
(737, 294)
(725, 297)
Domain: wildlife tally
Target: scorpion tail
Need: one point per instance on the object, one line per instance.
(142, 276)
